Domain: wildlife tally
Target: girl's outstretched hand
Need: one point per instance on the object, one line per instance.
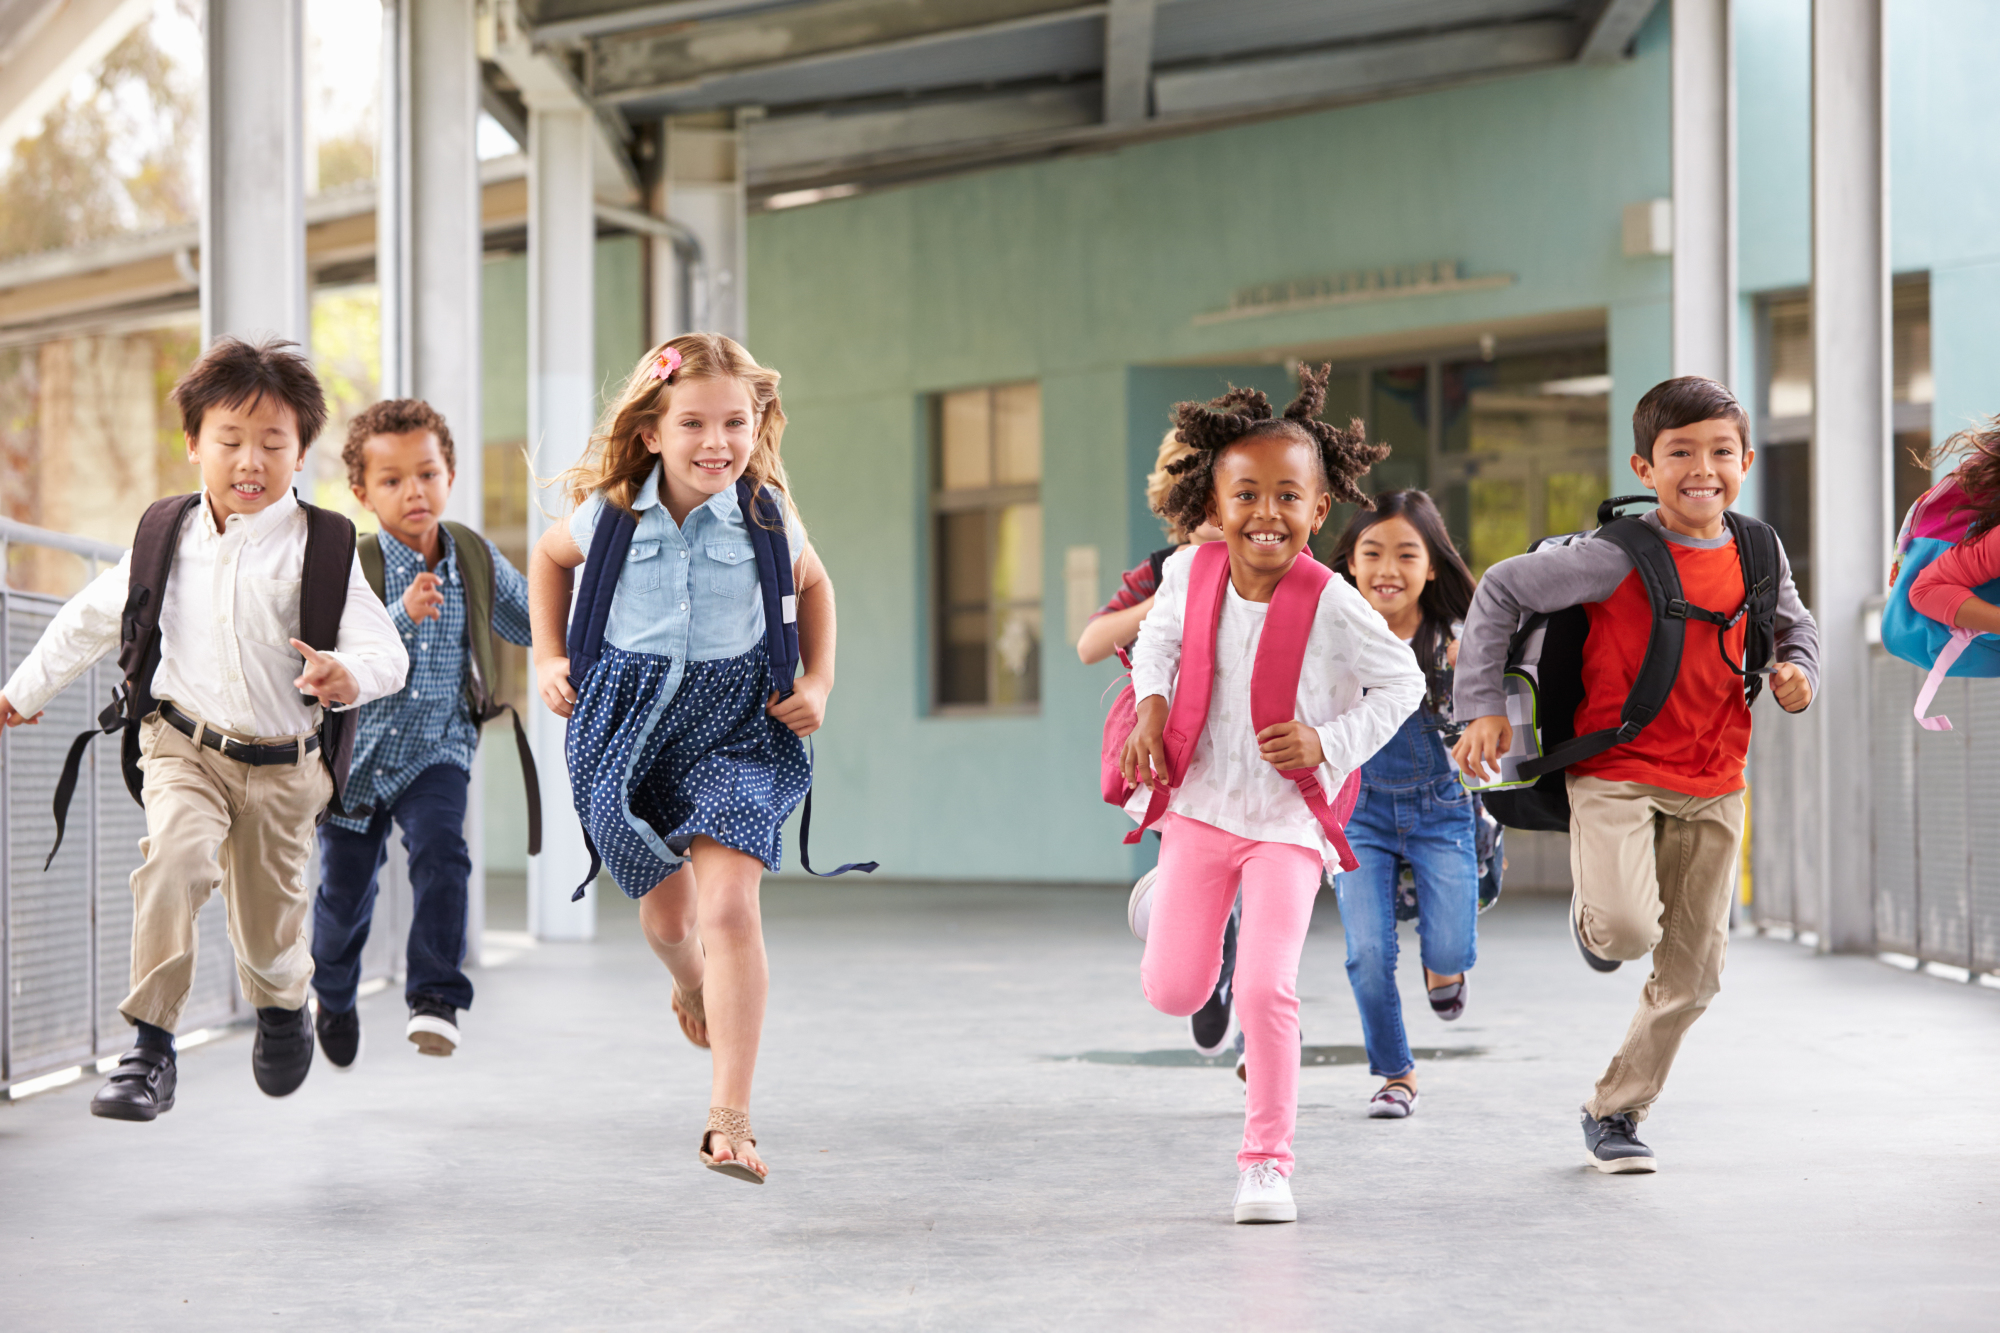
(552, 682)
(1290, 745)
(805, 711)
(1144, 762)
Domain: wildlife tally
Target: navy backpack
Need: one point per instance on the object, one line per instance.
(764, 518)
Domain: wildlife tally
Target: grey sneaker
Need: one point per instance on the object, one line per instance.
(1597, 962)
(1139, 907)
(1613, 1144)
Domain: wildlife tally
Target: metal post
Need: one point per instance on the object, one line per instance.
(253, 230)
(1851, 478)
(562, 398)
(1704, 173)
(703, 189)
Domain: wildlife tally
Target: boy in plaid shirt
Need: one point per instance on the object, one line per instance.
(413, 751)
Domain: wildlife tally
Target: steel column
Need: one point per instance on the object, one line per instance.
(1851, 466)
(562, 402)
(1704, 174)
(253, 229)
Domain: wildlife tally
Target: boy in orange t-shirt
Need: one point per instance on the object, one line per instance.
(1656, 823)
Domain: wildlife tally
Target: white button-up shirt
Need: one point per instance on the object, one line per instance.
(230, 609)
(1357, 684)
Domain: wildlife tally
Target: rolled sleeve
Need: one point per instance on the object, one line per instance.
(1387, 671)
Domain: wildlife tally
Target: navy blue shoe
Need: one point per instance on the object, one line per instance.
(1613, 1144)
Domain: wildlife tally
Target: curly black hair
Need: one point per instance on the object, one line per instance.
(1344, 456)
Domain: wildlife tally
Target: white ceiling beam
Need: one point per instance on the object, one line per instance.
(74, 35)
(649, 16)
(1612, 31)
(547, 83)
(823, 141)
(1357, 71)
(1128, 61)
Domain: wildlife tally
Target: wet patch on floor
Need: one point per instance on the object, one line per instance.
(1308, 1056)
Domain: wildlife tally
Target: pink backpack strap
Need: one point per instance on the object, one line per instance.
(1274, 689)
(1195, 682)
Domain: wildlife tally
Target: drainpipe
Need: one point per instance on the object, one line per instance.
(693, 265)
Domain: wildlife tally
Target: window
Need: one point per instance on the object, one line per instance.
(986, 547)
(1785, 405)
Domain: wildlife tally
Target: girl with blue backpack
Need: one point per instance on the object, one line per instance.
(1412, 810)
(1944, 600)
(686, 723)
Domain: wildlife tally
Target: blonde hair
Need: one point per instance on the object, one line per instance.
(1159, 481)
(617, 462)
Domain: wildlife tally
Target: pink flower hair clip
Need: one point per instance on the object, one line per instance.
(667, 364)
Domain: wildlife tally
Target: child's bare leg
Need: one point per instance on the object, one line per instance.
(738, 977)
(667, 917)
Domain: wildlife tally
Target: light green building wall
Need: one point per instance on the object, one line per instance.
(1086, 274)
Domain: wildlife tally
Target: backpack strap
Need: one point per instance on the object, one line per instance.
(1757, 552)
(368, 550)
(323, 579)
(599, 584)
(475, 568)
(1274, 682)
(1661, 665)
(1208, 575)
(153, 547)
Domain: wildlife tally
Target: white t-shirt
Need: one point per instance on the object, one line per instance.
(1358, 683)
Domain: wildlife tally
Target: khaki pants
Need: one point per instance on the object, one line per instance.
(1654, 871)
(214, 822)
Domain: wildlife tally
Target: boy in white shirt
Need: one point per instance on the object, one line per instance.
(239, 752)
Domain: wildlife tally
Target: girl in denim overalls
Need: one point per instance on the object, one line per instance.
(1412, 810)
(683, 761)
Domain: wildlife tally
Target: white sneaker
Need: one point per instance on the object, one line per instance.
(1139, 909)
(1264, 1195)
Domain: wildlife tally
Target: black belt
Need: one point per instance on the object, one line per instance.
(242, 752)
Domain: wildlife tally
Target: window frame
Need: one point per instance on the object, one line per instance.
(990, 500)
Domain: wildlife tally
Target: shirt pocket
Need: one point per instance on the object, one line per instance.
(267, 612)
(642, 566)
(729, 570)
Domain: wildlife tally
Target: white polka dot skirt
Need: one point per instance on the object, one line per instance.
(649, 779)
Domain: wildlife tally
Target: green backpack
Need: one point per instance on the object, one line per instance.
(475, 562)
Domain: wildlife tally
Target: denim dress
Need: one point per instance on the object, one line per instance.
(1412, 812)
(669, 740)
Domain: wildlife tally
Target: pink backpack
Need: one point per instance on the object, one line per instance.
(1274, 690)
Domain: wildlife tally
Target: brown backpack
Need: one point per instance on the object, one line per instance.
(328, 560)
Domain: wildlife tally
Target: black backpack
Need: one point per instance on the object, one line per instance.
(475, 564)
(764, 519)
(329, 557)
(1545, 662)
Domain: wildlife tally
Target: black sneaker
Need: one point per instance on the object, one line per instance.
(433, 1026)
(339, 1036)
(1209, 1025)
(1597, 962)
(1613, 1144)
(283, 1052)
(139, 1089)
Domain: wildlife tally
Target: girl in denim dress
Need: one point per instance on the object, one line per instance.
(683, 761)
(1413, 812)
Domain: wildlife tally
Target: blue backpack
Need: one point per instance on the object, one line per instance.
(765, 520)
(1936, 523)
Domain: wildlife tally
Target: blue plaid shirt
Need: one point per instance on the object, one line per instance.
(427, 722)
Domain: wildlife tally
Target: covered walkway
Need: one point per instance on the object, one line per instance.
(1827, 1153)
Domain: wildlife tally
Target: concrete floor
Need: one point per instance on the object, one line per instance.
(1828, 1147)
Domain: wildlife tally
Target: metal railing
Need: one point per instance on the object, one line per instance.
(66, 932)
(1935, 800)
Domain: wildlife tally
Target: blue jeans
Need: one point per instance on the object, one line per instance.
(431, 812)
(1429, 826)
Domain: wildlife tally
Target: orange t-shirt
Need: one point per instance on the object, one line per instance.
(1698, 743)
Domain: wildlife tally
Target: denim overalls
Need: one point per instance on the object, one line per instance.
(1412, 811)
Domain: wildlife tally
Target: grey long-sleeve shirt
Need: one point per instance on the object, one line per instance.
(1588, 569)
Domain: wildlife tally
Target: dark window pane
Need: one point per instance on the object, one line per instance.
(962, 658)
(962, 559)
(1787, 470)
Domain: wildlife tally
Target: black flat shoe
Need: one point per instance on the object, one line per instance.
(339, 1036)
(139, 1089)
(1598, 963)
(284, 1050)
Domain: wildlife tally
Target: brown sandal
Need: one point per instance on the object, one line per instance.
(689, 1010)
(733, 1125)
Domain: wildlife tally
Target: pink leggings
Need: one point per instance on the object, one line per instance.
(1200, 868)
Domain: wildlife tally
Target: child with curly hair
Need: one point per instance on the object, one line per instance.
(684, 760)
(1268, 482)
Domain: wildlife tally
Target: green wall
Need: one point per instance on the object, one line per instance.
(1086, 274)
